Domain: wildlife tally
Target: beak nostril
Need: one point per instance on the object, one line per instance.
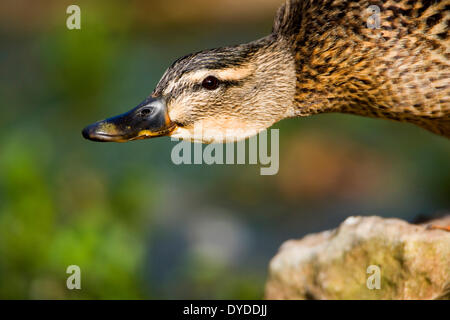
(146, 111)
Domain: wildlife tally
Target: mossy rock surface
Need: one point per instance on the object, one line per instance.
(410, 262)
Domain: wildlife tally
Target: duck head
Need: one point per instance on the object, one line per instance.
(211, 96)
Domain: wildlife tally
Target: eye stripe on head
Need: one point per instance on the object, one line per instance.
(227, 74)
(194, 79)
(229, 63)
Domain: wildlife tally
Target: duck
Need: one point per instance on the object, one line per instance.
(381, 59)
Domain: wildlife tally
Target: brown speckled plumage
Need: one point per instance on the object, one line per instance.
(400, 71)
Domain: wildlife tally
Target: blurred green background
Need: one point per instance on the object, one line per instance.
(136, 224)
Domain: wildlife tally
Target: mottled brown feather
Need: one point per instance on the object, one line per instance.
(400, 71)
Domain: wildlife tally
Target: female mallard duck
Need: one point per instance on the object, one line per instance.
(322, 56)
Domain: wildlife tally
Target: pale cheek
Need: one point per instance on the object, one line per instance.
(211, 134)
(177, 112)
(188, 109)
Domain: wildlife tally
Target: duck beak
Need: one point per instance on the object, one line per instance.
(149, 119)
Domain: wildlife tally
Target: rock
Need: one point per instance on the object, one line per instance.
(413, 262)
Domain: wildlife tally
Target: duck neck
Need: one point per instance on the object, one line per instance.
(294, 78)
(274, 78)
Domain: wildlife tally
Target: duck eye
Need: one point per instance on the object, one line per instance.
(145, 112)
(210, 83)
